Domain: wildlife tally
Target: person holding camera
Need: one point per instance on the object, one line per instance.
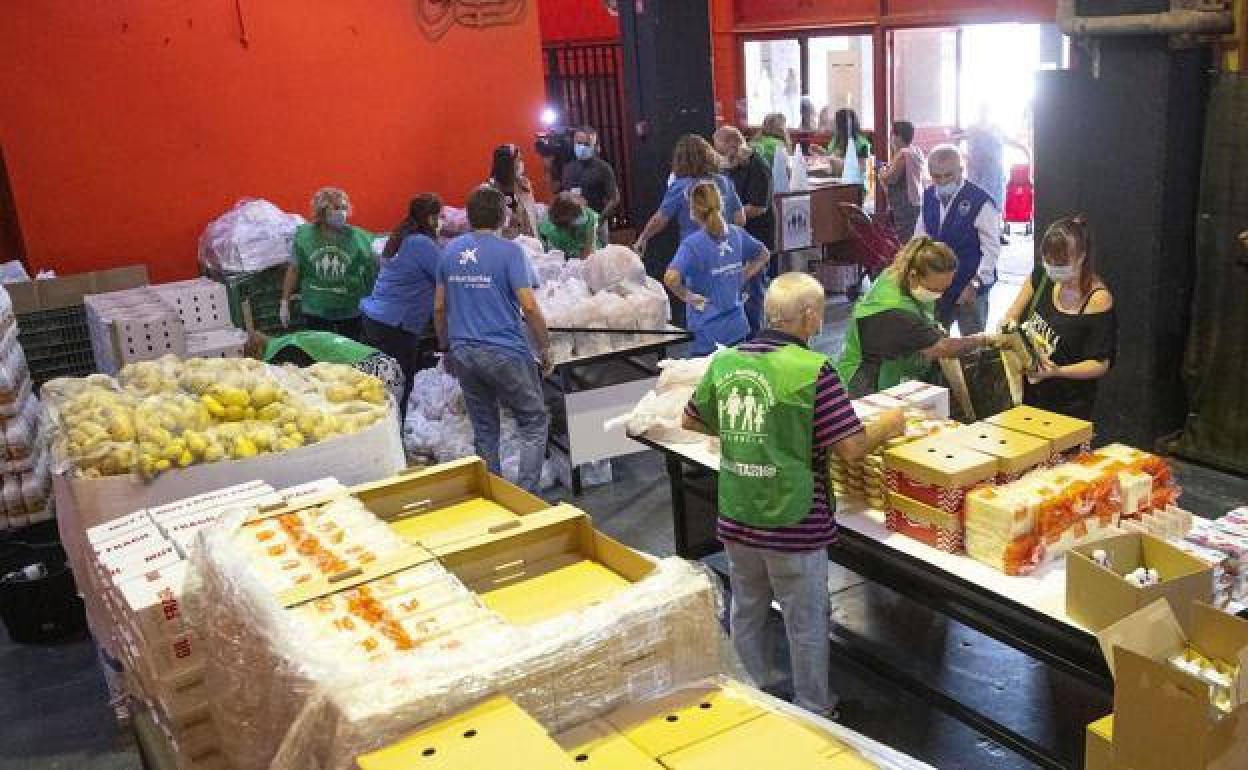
(592, 178)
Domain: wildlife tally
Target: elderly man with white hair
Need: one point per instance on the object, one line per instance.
(962, 215)
(779, 409)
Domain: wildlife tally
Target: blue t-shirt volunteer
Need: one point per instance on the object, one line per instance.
(481, 274)
(403, 294)
(715, 269)
(675, 203)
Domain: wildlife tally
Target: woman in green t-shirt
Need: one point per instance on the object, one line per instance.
(773, 135)
(332, 265)
(571, 227)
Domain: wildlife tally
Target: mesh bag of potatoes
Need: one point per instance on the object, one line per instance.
(173, 413)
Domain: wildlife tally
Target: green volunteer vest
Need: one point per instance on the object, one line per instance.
(762, 406)
(336, 270)
(885, 294)
(325, 347)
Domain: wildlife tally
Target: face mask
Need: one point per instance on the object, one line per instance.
(336, 218)
(924, 294)
(584, 151)
(1060, 273)
(946, 191)
(582, 220)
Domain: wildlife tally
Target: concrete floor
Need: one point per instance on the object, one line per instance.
(54, 715)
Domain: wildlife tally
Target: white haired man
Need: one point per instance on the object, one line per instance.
(775, 514)
(962, 215)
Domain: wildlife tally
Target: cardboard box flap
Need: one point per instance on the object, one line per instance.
(1065, 432)
(332, 584)
(1015, 452)
(683, 718)
(925, 513)
(1223, 636)
(67, 291)
(1152, 632)
(936, 461)
(597, 745)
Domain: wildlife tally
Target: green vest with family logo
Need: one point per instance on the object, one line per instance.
(762, 406)
(336, 270)
(885, 294)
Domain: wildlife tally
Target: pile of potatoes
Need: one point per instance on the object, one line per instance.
(173, 413)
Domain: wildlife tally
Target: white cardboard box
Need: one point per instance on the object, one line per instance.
(152, 601)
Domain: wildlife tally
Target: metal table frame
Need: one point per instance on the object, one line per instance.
(568, 378)
(1063, 646)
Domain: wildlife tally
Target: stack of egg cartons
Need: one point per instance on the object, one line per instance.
(132, 325)
(204, 307)
(25, 464)
(134, 589)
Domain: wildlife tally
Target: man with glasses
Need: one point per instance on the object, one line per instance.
(960, 214)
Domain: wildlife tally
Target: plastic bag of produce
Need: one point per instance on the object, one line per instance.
(612, 265)
(253, 235)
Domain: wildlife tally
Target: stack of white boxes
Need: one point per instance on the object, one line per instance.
(186, 318)
(138, 570)
(25, 463)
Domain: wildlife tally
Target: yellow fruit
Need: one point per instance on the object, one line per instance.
(263, 395)
(173, 450)
(235, 397)
(162, 465)
(213, 452)
(338, 393)
(121, 428)
(249, 413)
(186, 458)
(215, 407)
(234, 413)
(244, 448)
(270, 413)
(372, 395)
(195, 442)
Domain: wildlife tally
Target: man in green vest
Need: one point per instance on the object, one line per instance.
(893, 334)
(778, 409)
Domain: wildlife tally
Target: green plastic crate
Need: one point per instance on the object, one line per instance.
(262, 292)
(57, 343)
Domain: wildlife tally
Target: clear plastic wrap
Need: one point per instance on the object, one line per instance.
(173, 413)
(14, 375)
(252, 236)
(287, 695)
(612, 265)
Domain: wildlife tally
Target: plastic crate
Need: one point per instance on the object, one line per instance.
(258, 294)
(57, 343)
(42, 611)
(202, 304)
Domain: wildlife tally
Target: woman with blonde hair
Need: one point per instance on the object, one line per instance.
(893, 334)
(709, 271)
(694, 160)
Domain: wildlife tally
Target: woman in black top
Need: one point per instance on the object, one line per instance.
(1068, 304)
(751, 176)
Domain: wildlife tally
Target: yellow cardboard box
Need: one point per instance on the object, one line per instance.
(771, 740)
(494, 734)
(598, 746)
(686, 717)
(1163, 718)
(1015, 452)
(1064, 432)
(1097, 597)
(550, 563)
(1098, 746)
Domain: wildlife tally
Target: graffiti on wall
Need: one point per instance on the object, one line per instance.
(436, 17)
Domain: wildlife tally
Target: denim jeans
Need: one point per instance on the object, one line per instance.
(490, 377)
(799, 582)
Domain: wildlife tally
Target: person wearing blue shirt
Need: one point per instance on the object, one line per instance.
(482, 304)
(398, 314)
(694, 160)
(709, 271)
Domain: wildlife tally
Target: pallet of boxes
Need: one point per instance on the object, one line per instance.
(444, 615)
(25, 465)
(184, 318)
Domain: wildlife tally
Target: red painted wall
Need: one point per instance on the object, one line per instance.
(567, 20)
(128, 125)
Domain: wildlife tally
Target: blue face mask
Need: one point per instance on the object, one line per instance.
(584, 151)
(336, 218)
(582, 220)
(946, 191)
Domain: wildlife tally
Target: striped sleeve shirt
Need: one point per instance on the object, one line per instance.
(834, 421)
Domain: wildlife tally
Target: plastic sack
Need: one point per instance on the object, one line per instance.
(252, 236)
(589, 315)
(682, 373)
(532, 246)
(13, 375)
(14, 272)
(612, 265)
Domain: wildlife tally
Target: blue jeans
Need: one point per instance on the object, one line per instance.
(799, 582)
(491, 377)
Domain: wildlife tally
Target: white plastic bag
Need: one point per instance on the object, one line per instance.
(682, 373)
(611, 265)
(253, 235)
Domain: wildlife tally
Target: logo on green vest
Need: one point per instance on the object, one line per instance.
(745, 401)
(329, 263)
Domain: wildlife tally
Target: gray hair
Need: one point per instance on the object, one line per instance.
(944, 158)
(327, 198)
(789, 295)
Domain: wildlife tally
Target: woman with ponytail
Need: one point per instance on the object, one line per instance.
(398, 314)
(710, 269)
(893, 334)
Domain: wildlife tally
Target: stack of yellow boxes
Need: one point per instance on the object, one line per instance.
(721, 726)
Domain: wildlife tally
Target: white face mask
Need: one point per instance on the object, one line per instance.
(924, 294)
(1061, 273)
